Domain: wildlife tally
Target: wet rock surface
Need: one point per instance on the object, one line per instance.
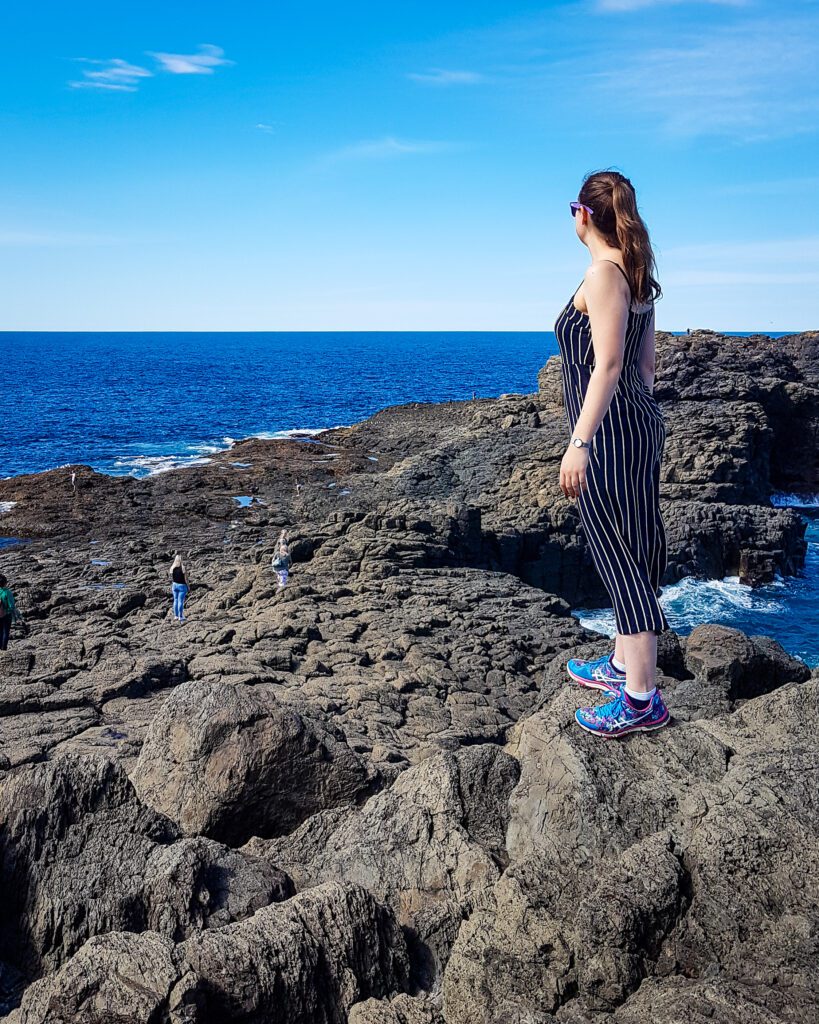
(362, 797)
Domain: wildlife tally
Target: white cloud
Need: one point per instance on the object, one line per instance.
(114, 74)
(387, 147)
(444, 76)
(268, 129)
(202, 63)
(639, 5)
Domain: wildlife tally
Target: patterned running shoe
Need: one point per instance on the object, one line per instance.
(598, 675)
(619, 717)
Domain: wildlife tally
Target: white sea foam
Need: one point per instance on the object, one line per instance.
(293, 433)
(153, 465)
(692, 601)
(795, 500)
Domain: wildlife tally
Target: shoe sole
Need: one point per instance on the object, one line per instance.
(594, 684)
(625, 732)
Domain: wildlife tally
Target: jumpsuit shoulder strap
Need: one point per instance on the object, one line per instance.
(625, 275)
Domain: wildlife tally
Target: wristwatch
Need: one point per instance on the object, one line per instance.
(577, 443)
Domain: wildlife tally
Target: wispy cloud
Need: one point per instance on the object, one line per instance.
(388, 147)
(115, 74)
(119, 75)
(639, 5)
(51, 239)
(739, 70)
(267, 129)
(751, 80)
(202, 63)
(801, 190)
(446, 76)
(778, 261)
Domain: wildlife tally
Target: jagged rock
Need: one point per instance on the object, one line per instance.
(588, 908)
(427, 847)
(419, 647)
(118, 977)
(727, 667)
(225, 762)
(306, 961)
(402, 1009)
(195, 884)
(81, 856)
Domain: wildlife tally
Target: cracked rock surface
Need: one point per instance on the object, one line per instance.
(362, 798)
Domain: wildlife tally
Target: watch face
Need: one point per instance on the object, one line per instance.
(577, 443)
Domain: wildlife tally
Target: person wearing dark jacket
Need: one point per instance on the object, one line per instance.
(8, 612)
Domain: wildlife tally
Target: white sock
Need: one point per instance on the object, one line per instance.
(639, 695)
(618, 664)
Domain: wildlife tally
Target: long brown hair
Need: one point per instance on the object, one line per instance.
(612, 197)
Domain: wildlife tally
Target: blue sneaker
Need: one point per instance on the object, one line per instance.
(619, 717)
(597, 675)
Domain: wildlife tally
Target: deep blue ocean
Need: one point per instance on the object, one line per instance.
(145, 403)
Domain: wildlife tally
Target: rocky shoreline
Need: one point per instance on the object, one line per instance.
(362, 798)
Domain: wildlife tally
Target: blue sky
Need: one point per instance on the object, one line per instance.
(402, 166)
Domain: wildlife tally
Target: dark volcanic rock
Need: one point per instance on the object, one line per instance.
(305, 962)
(225, 761)
(427, 839)
(427, 847)
(81, 856)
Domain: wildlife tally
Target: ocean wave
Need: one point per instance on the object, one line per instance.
(783, 500)
(152, 465)
(142, 464)
(692, 601)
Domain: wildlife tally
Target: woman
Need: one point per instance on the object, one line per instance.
(281, 559)
(179, 587)
(8, 612)
(612, 465)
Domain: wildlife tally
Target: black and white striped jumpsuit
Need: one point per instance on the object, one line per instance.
(620, 511)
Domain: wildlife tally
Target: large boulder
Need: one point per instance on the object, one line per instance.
(80, 856)
(229, 762)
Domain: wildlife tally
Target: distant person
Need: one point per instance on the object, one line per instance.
(73, 481)
(612, 464)
(179, 588)
(8, 612)
(281, 559)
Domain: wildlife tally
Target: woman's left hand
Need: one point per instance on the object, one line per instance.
(573, 471)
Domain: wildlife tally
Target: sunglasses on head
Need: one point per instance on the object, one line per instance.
(574, 207)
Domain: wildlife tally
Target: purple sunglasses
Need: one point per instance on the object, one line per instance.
(579, 206)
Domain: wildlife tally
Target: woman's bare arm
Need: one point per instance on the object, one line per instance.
(608, 313)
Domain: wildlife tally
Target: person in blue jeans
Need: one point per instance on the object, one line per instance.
(179, 586)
